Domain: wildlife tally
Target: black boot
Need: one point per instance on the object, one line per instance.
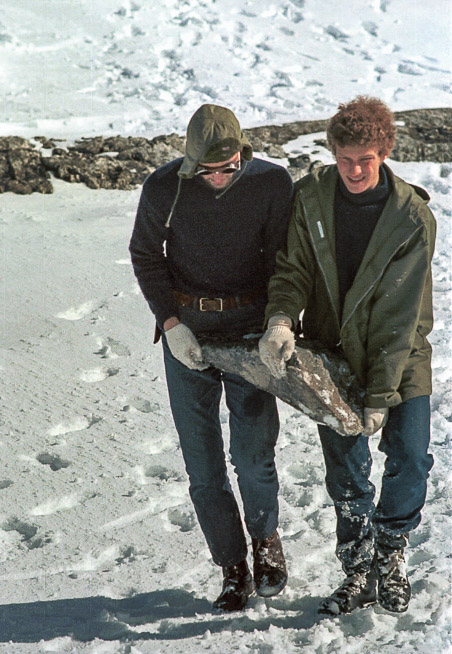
(237, 587)
(270, 573)
(394, 590)
(357, 591)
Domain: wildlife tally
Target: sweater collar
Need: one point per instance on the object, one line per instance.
(372, 196)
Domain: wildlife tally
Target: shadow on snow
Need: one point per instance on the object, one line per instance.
(169, 612)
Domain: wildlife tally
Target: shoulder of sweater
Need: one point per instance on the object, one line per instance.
(259, 166)
(164, 176)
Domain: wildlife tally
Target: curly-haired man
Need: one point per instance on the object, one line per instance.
(358, 262)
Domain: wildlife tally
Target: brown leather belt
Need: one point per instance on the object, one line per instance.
(217, 303)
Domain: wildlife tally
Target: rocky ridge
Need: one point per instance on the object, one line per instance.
(124, 162)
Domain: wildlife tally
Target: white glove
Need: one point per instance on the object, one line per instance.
(374, 419)
(184, 347)
(277, 344)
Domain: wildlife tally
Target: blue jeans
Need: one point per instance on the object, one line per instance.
(404, 441)
(254, 425)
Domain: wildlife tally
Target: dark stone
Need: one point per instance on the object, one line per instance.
(88, 145)
(303, 161)
(302, 165)
(113, 163)
(318, 382)
(46, 143)
(282, 134)
(96, 171)
(21, 168)
(425, 135)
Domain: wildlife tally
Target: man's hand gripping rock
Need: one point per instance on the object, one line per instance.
(277, 344)
(185, 347)
(374, 419)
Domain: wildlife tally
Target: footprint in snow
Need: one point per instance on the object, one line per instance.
(144, 406)
(162, 474)
(53, 461)
(110, 349)
(76, 424)
(29, 532)
(97, 374)
(183, 518)
(55, 505)
(371, 28)
(410, 68)
(336, 33)
(127, 555)
(77, 313)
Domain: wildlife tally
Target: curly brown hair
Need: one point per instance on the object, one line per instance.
(362, 121)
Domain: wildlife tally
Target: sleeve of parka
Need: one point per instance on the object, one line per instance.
(290, 286)
(147, 249)
(401, 308)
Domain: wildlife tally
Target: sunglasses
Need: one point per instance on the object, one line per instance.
(227, 169)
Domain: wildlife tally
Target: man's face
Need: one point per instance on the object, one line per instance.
(218, 179)
(359, 167)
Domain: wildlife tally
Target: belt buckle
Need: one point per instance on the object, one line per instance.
(210, 299)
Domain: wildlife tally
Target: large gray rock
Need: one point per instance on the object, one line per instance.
(318, 383)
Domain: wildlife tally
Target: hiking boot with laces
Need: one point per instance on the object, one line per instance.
(394, 590)
(270, 572)
(237, 587)
(356, 592)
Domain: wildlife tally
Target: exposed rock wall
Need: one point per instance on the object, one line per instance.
(124, 162)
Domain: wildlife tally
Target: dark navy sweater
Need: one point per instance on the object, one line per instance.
(214, 246)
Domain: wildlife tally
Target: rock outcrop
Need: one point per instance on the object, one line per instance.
(115, 162)
(124, 162)
(22, 169)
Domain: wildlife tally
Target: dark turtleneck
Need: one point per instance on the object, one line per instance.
(356, 216)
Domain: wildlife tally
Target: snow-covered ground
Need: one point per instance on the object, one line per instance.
(100, 551)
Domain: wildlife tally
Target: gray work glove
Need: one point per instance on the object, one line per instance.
(184, 347)
(277, 344)
(374, 419)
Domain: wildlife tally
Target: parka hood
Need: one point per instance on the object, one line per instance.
(421, 192)
(213, 134)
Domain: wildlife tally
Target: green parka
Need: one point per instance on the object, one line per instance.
(387, 313)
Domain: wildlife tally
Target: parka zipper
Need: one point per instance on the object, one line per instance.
(378, 278)
(320, 228)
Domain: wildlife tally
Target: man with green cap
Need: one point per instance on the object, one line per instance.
(203, 248)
